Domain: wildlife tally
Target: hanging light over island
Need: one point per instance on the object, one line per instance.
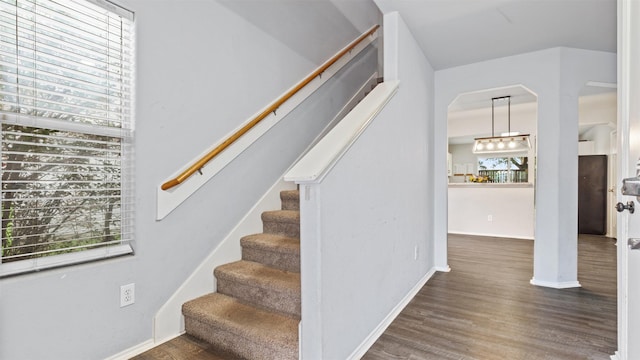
(507, 143)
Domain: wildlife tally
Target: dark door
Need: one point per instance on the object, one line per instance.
(592, 194)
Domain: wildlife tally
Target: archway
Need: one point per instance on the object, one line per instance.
(491, 194)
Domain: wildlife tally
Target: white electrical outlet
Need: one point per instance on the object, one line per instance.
(127, 294)
(490, 218)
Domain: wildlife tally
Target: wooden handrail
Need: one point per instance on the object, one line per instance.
(271, 109)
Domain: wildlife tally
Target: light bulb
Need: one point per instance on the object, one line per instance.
(512, 144)
(500, 145)
(490, 146)
(480, 146)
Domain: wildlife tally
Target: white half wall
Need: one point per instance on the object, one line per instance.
(503, 210)
(366, 241)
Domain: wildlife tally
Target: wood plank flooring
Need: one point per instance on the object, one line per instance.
(486, 309)
(184, 347)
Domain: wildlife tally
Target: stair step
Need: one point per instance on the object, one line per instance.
(290, 199)
(282, 222)
(240, 329)
(272, 250)
(261, 286)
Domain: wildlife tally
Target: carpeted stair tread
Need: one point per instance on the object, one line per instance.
(260, 285)
(287, 216)
(260, 275)
(290, 199)
(271, 242)
(273, 250)
(255, 312)
(243, 330)
(282, 222)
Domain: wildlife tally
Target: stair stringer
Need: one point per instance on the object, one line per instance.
(168, 321)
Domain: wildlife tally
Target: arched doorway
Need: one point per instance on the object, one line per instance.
(492, 193)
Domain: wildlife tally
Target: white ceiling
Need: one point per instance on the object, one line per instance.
(459, 32)
(482, 99)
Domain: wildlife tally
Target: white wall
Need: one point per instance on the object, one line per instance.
(556, 76)
(600, 136)
(462, 156)
(477, 122)
(598, 109)
(203, 67)
(598, 117)
(362, 223)
(492, 210)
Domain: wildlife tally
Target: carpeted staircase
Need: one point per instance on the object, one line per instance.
(256, 310)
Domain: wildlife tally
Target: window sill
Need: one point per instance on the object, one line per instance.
(50, 262)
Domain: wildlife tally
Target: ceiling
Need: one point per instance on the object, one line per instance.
(459, 32)
(482, 99)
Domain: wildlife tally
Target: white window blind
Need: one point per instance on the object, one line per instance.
(65, 109)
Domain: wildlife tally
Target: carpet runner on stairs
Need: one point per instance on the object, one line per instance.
(256, 310)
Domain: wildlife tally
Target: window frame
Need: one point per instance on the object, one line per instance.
(125, 132)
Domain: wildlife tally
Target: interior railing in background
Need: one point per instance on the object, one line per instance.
(271, 109)
(505, 176)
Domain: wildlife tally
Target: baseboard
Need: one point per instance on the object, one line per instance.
(443, 269)
(379, 330)
(133, 351)
(351, 103)
(616, 356)
(168, 321)
(355, 99)
(556, 285)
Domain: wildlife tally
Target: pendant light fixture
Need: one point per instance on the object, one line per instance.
(507, 143)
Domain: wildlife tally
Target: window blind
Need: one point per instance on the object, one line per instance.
(66, 70)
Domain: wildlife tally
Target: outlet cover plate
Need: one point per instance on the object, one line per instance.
(127, 294)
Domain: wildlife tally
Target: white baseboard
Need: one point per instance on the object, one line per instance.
(355, 99)
(556, 285)
(133, 351)
(379, 330)
(616, 356)
(168, 321)
(351, 103)
(443, 269)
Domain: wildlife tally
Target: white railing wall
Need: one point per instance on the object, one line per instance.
(362, 239)
(366, 209)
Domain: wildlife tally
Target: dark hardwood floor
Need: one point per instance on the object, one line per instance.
(184, 347)
(485, 307)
